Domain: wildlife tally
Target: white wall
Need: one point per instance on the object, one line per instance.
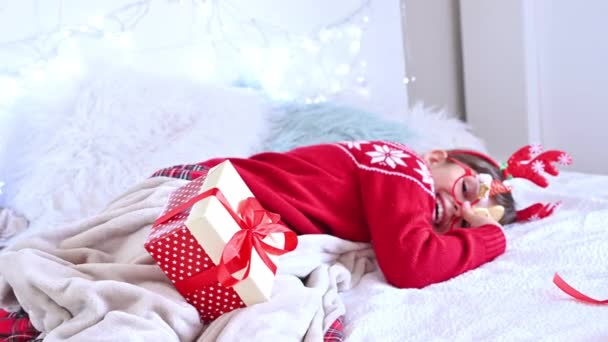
(495, 74)
(433, 55)
(573, 74)
(535, 72)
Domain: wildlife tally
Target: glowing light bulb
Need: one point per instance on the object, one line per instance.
(66, 34)
(203, 67)
(97, 21)
(109, 36)
(325, 35)
(61, 35)
(205, 9)
(320, 99)
(310, 46)
(10, 89)
(125, 40)
(35, 74)
(336, 87)
(364, 92)
(343, 69)
(66, 67)
(253, 55)
(354, 31)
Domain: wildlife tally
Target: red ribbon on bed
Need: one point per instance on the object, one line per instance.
(256, 223)
(575, 293)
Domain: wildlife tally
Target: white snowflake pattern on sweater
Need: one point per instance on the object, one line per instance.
(355, 144)
(386, 155)
(391, 159)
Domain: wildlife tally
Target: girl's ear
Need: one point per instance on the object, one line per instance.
(435, 157)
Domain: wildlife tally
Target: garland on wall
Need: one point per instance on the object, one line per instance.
(217, 41)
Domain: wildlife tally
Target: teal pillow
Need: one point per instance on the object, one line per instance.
(300, 125)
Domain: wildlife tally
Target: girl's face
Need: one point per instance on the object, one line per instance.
(455, 183)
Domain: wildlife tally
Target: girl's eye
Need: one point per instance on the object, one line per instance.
(469, 188)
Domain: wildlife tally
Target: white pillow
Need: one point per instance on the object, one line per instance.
(71, 147)
(436, 128)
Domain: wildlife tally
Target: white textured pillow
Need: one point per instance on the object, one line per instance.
(70, 148)
(437, 129)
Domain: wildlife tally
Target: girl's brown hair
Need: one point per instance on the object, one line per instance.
(481, 165)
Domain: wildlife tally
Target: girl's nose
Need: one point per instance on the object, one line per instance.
(457, 209)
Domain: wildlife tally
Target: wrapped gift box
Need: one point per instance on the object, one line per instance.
(191, 235)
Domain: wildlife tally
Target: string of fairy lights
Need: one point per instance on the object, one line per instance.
(223, 44)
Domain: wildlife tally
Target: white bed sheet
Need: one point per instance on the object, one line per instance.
(513, 297)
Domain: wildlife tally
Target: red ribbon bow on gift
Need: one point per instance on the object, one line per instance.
(256, 224)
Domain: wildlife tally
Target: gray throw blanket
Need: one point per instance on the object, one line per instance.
(93, 281)
(11, 224)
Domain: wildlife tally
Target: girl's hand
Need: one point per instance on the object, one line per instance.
(475, 219)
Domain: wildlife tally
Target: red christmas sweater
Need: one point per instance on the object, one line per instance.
(376, 191)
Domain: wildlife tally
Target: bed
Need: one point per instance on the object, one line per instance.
(76, 156)
(111, 156)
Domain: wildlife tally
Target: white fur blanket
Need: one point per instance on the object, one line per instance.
(93, 281)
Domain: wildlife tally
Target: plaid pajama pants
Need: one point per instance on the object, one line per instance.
(16, 327)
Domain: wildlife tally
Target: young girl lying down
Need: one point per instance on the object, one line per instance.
(429, 218)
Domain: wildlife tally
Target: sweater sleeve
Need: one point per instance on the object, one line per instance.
(398, 212)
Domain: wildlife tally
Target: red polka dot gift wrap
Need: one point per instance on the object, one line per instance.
(217, 245)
